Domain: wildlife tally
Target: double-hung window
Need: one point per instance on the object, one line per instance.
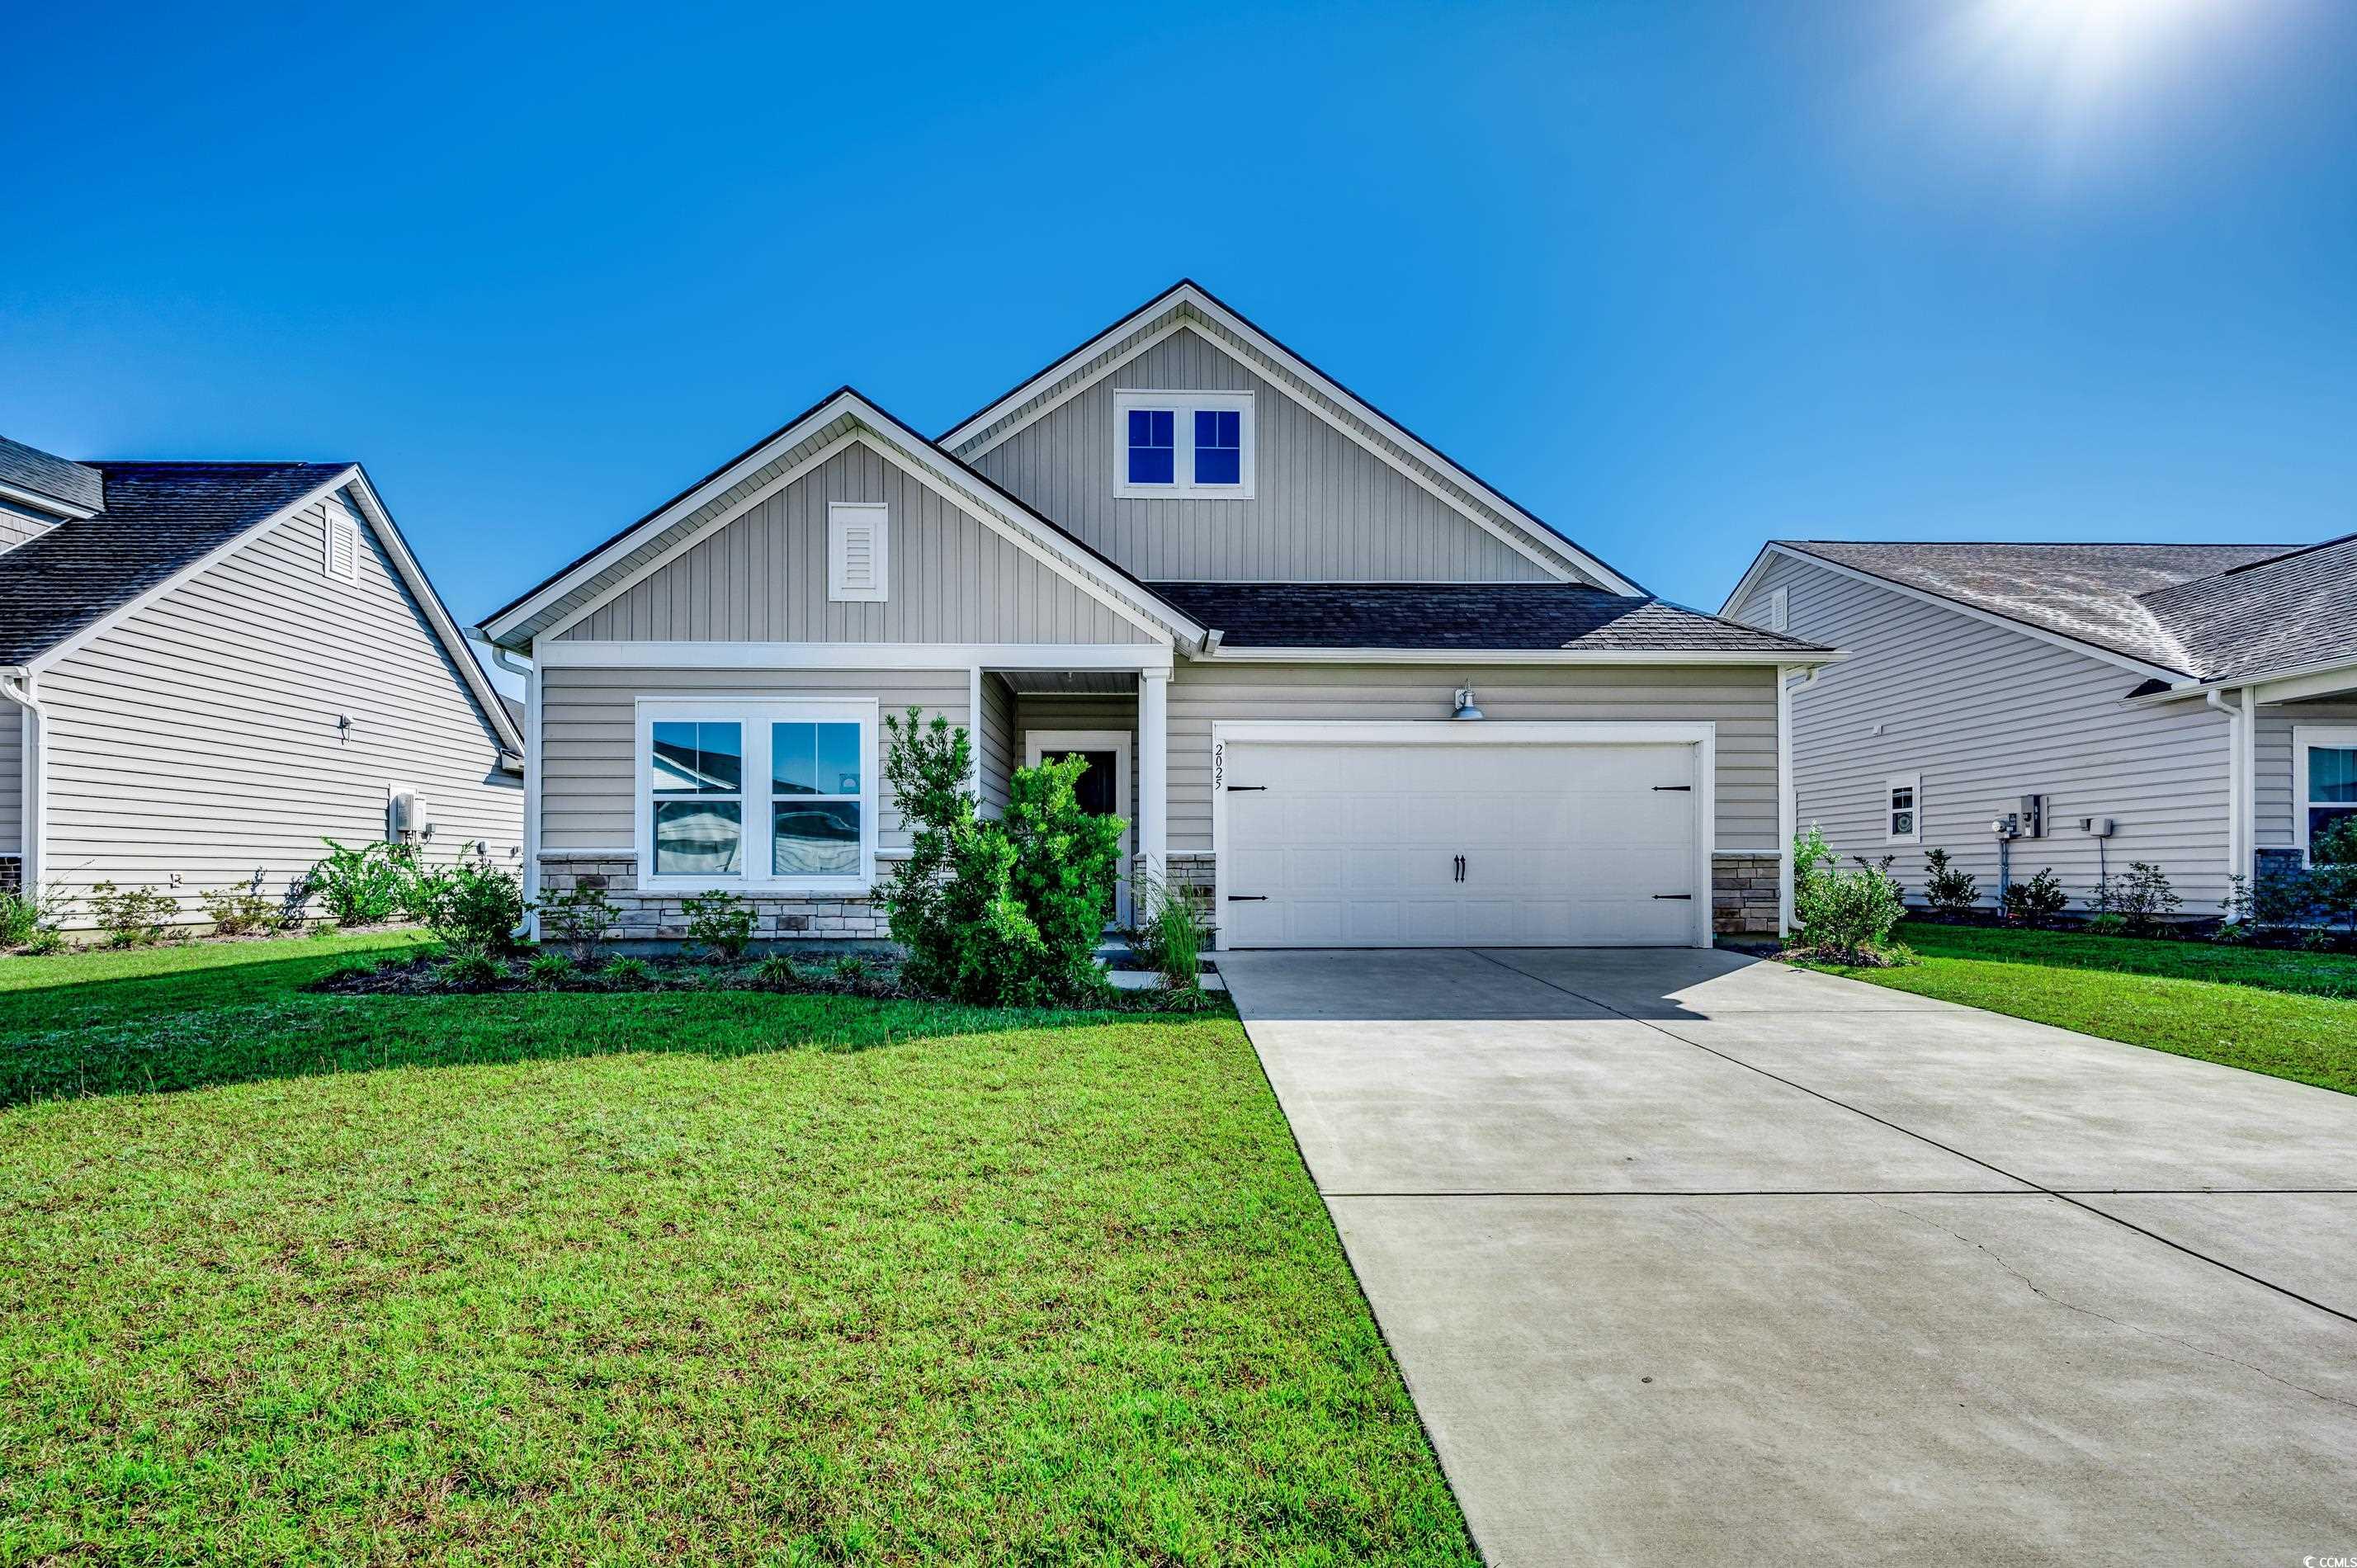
(1903, 808)
(752, 794)
(1195, 444)
(2324, 777)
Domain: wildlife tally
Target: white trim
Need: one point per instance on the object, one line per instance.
(853, 656)
(33, 816)
(1118, 742)
(974, 733)
(1154, 768)
(2151, 672)
(50, 504)
(924, 462)
(2303, 738)
(2246, 762)
(1703, 736)
(534, 794)
(842, 517)
(1913, 784)
(1188, 297)
(1788, 804)
(1182, 406)
(1779, 609)
(755, 711)
(1788, 658)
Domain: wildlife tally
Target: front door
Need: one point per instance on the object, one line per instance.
(1103, 789)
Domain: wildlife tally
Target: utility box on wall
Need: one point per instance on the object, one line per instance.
(2033, 816)
(405, 815)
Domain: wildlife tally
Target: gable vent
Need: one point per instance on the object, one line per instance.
(343, 549)
(859, 549)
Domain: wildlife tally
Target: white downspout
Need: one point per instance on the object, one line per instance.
(1788, 806)
(33, 822)
(2238, 795)
(530, 929)
(2246, 762)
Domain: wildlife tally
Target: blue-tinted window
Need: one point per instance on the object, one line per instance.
(1153, 447)
(692, 758)
(815, 759)
(1219, 446)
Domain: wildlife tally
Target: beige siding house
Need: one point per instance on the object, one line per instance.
(2189, 705)
(217, 666)
(1339, 688)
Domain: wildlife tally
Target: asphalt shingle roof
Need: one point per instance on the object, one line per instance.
(2293, 610)
(159, 517)
(1447, 616)
(29, 468)
(2090, 592)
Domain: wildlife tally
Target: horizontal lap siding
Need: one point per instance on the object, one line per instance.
(12, 777)
(995, 743)
(1741, 702)
(1987, 714)
(198, 739)
(1324, 509)
(2272, 759)
(761, 577)
(588, 745)
(1107, 711)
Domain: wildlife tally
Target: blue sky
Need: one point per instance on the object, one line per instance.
(1679, 278)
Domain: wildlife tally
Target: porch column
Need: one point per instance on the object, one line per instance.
(2246, 773)
(1154, 770)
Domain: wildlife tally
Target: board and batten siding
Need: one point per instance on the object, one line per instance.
(589, 745)
(762, 577)
(2274, 778)
(1987, 714)
(197, 739)
(1324, 508)
(1739, 700)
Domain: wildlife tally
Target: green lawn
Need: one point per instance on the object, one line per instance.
(2289, 1014)
(712, 1276)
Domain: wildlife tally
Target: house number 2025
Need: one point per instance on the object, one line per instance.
(1219, 766)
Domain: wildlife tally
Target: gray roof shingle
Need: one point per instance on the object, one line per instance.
(1452, 617)
(2088, 592)
(2285, 613)
(30, 468)
(159, 517)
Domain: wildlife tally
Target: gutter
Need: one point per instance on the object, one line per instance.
(2210, 688)
(33, 829)
(1793, 658)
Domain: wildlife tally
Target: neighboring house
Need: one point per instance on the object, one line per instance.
(2200, 699)
(1249, 597)
(208, 668)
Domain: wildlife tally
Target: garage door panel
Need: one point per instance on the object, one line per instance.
(1357, 843)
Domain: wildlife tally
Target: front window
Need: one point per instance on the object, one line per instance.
(1903, 808)
(714, 771)
(2325, 762)
(1197, 444)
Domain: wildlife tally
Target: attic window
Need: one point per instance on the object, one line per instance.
(858, 551)
(342, 549)
(1194, 444)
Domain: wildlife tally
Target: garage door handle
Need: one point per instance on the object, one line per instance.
(1247, 897)
(1247, 789)
(1686, 896)
(1672, 788)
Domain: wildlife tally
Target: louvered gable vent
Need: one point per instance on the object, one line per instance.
(859, 549)
(343, 549)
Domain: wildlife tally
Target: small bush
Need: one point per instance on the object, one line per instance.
(1169, 939)
(853, 968)
(418, 890)
(2140, 896)
(2107, 924)
(2036, 901)
(477, 904)
(720, 923)
(470, 968)
(362, 884)
(132, 916)
(1946, 888)
(628, 974)
(548, 968)
(1845, 915)
(26, 919)
(240, 911)
(580, 917)
(777, 973)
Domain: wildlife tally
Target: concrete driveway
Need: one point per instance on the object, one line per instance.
(1689, 1259)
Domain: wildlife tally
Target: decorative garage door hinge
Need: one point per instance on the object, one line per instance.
(1241, 788)
(1685, 895)
(1671, 788)
(1247, 897)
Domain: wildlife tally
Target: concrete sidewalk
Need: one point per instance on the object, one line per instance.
(1691, 1258)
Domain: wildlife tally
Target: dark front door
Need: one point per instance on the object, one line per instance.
(1095, 787)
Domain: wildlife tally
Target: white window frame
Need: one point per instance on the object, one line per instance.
(756, 715)
(839, 515)
(1184, 407)
(1913, 784)
(351, 529)
(2305, 739)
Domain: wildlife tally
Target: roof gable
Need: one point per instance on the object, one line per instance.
(1189, 304)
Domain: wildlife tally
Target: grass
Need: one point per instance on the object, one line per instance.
(708, 1276)
(2291, 1014)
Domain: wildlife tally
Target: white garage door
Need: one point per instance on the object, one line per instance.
(1385, 844)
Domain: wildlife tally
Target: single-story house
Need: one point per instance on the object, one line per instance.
(206, 669)
(1266, 612)
(2189, 705)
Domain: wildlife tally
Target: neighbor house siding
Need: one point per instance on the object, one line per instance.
(589, 737)
(762, 577)
(2274, 764)
(1987, 714)
(1741, 702)
(12, 720)
(197, 739)
(1324, 510)
(17, 527)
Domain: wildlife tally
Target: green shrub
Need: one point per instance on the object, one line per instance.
(2036, 901)
(1947, 890)
(241, 909)
(720, 923)
(580, 917)
(777, 973)
(418, 890)
(2140, 896)
(1170, 936)
(28, 919)
(132, 916)
(628, 974)
(548, 968)
(469, 968)
(853, 968)
(1841, 912)
(2107, 924)
(364, 884)
(997, 914)
(475, 903)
